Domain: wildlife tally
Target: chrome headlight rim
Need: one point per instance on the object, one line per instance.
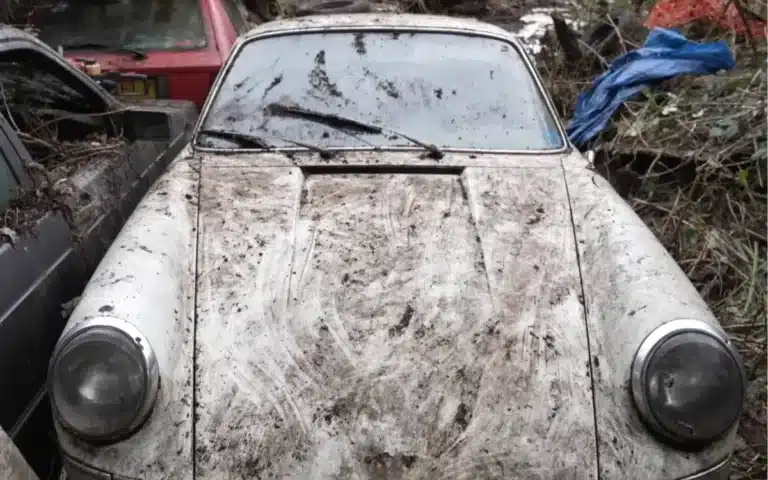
(151, 375)
(650, 344)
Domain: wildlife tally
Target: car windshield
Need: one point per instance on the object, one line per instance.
(446, 89)
(134, 24)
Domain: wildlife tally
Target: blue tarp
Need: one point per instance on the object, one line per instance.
(666, 54)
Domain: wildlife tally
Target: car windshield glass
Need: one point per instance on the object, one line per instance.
(446, 89)
(135, 24)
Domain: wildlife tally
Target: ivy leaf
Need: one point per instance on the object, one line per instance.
(690, 234)
(744, 178)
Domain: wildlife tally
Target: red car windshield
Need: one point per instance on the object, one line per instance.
(134, 24)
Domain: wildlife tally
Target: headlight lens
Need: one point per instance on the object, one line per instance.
(688, 382)
(103, 381)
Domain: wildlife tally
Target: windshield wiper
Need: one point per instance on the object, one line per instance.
(138, 54)
(344, 123)
(254, 141)
(243, 139)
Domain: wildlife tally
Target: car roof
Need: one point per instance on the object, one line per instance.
(9, 33)
(385, 20)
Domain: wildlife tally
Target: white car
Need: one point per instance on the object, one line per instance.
(380, 257)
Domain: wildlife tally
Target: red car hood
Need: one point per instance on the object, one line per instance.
(188, 74)
(192, 60)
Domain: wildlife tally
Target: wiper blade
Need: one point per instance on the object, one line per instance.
(344, 123)
(243, 139)
(330, 119)
(104, 46)
(254, 141)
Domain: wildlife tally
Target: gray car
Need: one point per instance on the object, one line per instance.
(380, 257)
(49, 259)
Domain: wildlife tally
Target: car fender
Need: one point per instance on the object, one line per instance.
(631, 285)
(146, 278)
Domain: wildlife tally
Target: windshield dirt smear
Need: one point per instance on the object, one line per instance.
(318, 78)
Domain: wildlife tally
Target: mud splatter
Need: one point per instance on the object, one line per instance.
(463, 416)
(359, 44)
(275, 82)
(318, 77)
(386, 465)
(405, 320)
(389, 88)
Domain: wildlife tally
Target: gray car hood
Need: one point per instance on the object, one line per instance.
(371, 324)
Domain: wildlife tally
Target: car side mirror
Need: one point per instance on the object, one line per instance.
(109, 85)
(146, 124)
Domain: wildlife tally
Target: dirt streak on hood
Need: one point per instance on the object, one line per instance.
(390, 326)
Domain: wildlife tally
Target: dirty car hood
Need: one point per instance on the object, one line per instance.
(356, 325)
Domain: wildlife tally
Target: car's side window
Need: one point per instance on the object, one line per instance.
(32, 80)
(236, 16)
(37, 91)
(8, 182)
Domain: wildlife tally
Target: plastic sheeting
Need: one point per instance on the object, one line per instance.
(666, 54)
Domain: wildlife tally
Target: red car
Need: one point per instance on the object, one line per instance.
(179, 45)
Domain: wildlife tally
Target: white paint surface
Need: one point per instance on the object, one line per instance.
(13, 466)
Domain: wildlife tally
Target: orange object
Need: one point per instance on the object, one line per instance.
(674, 13)
(93, 69)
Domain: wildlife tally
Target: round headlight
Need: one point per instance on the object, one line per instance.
(103, 380)
(688, 383)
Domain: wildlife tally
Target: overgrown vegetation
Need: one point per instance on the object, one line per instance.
(63, 131)
(54, 164)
